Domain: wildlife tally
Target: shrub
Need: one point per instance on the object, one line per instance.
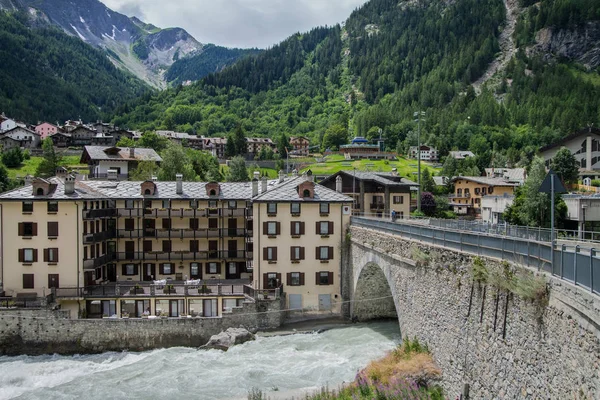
(479, 271)
(596, 182)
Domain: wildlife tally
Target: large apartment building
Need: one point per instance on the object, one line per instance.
(123, 248)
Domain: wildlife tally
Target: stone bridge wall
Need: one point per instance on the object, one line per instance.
(500, 344)
(36, 332)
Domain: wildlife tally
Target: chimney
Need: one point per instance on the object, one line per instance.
(154, 179)
(70, 184)
(309, 176)
(28, 179)
(295, 173)
(179, 180)
(256, 175)
(281, 176)
(264, 184)
(255, 187)
(132, 152)
(338, 184)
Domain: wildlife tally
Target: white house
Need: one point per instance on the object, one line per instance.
(584, 145)
(105, 162)
(428, 153)
(492, 207)
(26, 137)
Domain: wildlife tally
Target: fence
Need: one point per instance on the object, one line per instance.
(571, 263)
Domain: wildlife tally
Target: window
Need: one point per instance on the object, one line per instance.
(296, 253)
(194, 246)
(213, 268)
(167, 269)
(51, 255)
(166, 223)
(27, 229)
(306, 193)
(213, 223)
(271, 208)
(129, 204)
(27, 206)
(271, 280)
(295, 208)
(166, 246)
(148, 203)
(27, 255)
(232, 204)
(272, 228)
(212, 203)
(324, 208)
(324, 228)
(53, 281)
(129, 269)
(194, 270)
(28, 281)
(398, 199)
(129, 224)
(194, 224)
(52, 206)
(232, 268)
(324, 278)
(324, 253)
(166, 203)
(270, 253)
(295, 279)
(297, 228)
(193, 204)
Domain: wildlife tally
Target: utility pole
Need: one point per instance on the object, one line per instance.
(419, 115)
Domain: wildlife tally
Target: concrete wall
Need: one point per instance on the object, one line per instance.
(37, 332)
(500, 344)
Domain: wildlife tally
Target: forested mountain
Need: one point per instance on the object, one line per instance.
(133, 45)
(393, 58)
(46, 74)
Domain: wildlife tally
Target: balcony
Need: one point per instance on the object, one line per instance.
(149, 233)
(99, 236)
(93, 263)
(183, 255)
(377, 206)
(119, 177)
(146, 289)
(101, 213)
(460, 196)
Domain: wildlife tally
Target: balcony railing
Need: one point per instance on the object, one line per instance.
(99, 236)
(183, 212)
(460, 196)
(100, 213)
(182, 233)
(183, 255)
(146, 289)
(120, 177)
(99, 261)
(377, 206)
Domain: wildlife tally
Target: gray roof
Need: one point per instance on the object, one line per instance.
(178, 135)
(384, 178)
(440, 180)
(510, 174)
(486, 181)
(96, 153)
(287, 191)
(461, 154)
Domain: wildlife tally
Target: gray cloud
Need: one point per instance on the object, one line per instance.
(238, 23)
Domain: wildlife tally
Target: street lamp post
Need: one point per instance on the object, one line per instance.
(419, 116)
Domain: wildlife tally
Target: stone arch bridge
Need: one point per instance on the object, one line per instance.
(501, 344)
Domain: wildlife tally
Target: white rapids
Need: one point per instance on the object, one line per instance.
(280, 366)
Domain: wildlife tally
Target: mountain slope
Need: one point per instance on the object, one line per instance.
(46, 74)
(391, 59)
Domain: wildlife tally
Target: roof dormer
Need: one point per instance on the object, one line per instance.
(306, 190)
(41, 187)
(148, 188)
(213, 189)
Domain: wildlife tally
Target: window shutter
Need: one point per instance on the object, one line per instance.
(21, 255)
(56, 253)
(317, 228)
(278, 228)
(207, 270)
(46, 255)
(265, 253)
(302, 228)
(52, 229)
(161, 268)
(317, 253)
(218, 268)
(35, 257)
(242, 266)
(330, 253)
(274, 253)
(129, 224)
(330, 280)
(289, 278)
(147, 245)
(278, 277)
(136, 269)
(34, 229)
(317, 279)
(22, 229)
(331, 228)
(265, 281)
(302, 253)
(194, 223)
(123, 270)
(301, 278)
(292, 253)
(265, 228)
(292, 231)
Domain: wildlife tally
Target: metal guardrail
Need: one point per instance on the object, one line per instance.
(571, 263)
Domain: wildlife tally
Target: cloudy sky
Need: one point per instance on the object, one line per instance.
(238, 23)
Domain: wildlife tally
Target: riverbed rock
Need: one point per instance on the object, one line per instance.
(230, 337)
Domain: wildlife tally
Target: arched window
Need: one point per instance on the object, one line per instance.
(40, 192)
(213, 192)
(147, 192)
(306, 193)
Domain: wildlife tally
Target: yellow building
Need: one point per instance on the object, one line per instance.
(121, 248)
(468, 191)
(299, 228)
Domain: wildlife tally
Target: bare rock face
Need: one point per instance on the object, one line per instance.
(231, 337)
(581, 44)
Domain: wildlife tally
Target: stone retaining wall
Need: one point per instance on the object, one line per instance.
(35, 332)
(500, 344)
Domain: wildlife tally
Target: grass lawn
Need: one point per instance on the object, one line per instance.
(335, 163)
(30, 166)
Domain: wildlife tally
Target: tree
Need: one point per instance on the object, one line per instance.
(427, 182)
(151, 140)
(144, 171)
(126, 142)
(13, 157)
(283, 144)
(335, 136)
(5, 182)
(239, 139)
(450, 167)
(428, 203)
(565, 166)
(237, 170)
(230, 150)
(51, 160)
(175, 161)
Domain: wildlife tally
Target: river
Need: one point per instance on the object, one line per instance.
(281, 366)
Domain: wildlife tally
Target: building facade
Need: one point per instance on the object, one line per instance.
(585, 147)
(46, 129)
(26, 137)
(149, 249)
(469, 191)
(110, 162)
(300, 146)
(428, 153)
(493, 208)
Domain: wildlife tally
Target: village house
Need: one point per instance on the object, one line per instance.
(182, 138)
(254, 145)
(428, 153)
(299, 145)
(461, 155)
(469, 191)
(110, 162)
(27, 138)
(61, 139)
(216, 146)
(584, 145)
(82, 135)
(46, 129)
